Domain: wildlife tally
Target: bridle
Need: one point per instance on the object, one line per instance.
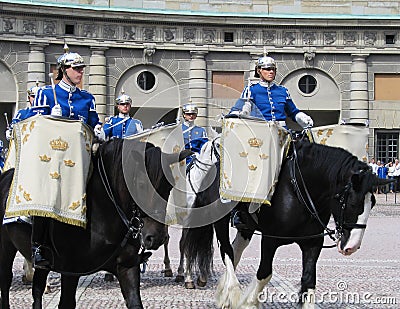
(341, 223)
(300, 186)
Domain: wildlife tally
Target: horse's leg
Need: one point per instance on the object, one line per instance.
(167, 263)
(7, 255)
(69, 285)
(38, 287)
(129, 281)
(228, 288)
(181, 270)
(27, 277)
(253, 293)
(241, 241)
(310, 253)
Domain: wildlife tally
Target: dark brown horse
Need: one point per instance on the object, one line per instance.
(126, 200)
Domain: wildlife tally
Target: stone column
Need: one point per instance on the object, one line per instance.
(36, 68)
(359, 90)
(98, 80)
(198, 85)
(253, 62)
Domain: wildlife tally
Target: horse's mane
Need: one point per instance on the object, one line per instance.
(334, 162)
(112, 150)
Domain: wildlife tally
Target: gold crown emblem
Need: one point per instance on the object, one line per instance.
(263, 156)
(243, 154)
(69, 163)
(252, 167)
(176, 149)
(59, 144)
(44, 158)
(74, 205)
(255, 142)
(55, 175)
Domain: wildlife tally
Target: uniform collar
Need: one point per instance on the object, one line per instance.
(121, 115)
(66, 87)
(188, 123)
(266, 84)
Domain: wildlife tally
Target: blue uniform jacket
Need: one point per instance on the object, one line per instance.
(194, 138)
(269, 103)
(118, 126)
(75, 103)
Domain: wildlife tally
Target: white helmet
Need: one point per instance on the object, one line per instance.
(190, 108)
(68, 60)
(123, 98)
(266, 62)
(33, 90)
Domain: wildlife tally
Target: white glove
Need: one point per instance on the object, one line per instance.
(56, 110)
(9, 134)
(246, 109)
(304, 120)
(99, 132)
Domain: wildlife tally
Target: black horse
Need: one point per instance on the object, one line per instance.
(126, 205)
(315, 182)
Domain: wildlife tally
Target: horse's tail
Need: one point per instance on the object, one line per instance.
(199, 249)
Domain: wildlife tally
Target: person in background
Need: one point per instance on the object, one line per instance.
(396, 175)
(194, 137)
(374, 166)
(391, 169)
(382, 173)
(25, 112)
(123, 124)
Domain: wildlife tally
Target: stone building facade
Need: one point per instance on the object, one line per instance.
(339, 59)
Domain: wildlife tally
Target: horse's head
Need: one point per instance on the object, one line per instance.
(149, 179)
(354, 205)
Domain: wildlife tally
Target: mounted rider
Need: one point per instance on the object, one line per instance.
(271, 102)
(123, 124)
(194, 136)
(61, 158)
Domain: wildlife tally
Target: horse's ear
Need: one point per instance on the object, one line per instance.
(184, 154)
(171, 158)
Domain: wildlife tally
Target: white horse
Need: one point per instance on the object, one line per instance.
(196, 172)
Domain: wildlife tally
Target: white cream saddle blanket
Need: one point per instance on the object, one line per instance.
(350, 137)
(52, 160)
(170, 139)
(251, 159)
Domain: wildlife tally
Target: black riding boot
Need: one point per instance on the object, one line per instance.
(39, 238)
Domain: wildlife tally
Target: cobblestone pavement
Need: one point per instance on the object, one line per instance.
(371, 273)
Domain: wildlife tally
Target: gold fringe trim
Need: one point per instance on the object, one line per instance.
(46, 214)
(244, 199)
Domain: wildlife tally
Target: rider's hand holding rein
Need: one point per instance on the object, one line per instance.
(304, 120)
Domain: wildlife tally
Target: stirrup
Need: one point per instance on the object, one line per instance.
(38, 260)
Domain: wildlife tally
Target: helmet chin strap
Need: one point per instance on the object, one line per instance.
(66, 75)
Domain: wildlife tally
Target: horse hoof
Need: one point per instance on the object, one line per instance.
(168, 273)
(179, 278)
(189, 285)
(108, 277)
(201, 283)
(25, 281)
